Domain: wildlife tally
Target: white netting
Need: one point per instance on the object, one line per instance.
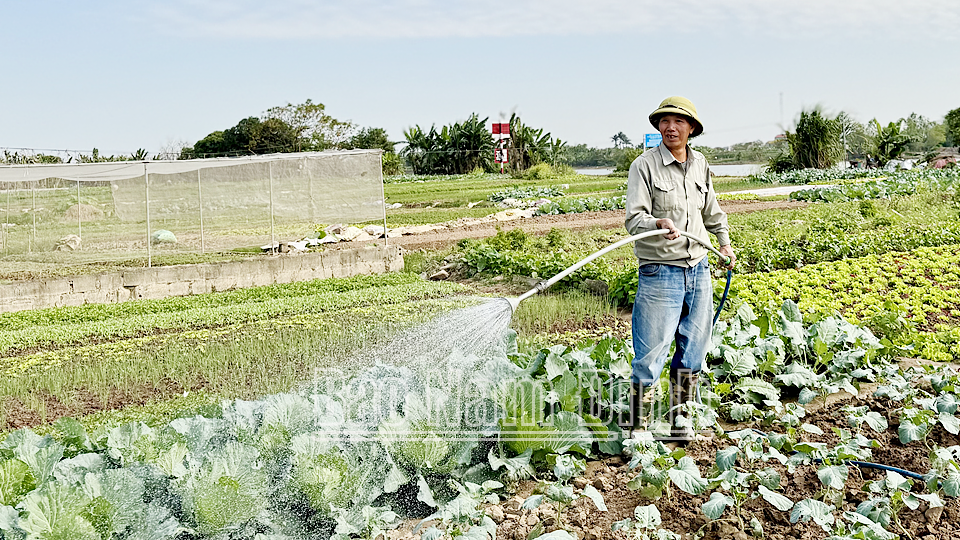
(207, 204)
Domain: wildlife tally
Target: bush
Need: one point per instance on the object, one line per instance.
(626, 158)
(392, 164)
(781, 164)
(540, 171)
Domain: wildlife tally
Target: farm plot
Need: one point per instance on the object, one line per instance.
(329, 461)
(247, 343)
(521, 443)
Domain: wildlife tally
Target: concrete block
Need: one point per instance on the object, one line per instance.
(11, 304)
(178, 288)
(294, 264)
(369, 254)
(395, 264)
(164, 274)
(200, 286)
(80, 284)
(273, 265)
(98, 296)
(153, 291)
(162, 282)
(330, 259)
(311, 260)
(111, 282)
(53, 287)
(133, 278)
(71, 300)
(189, 272)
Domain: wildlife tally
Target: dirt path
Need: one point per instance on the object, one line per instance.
(612, 219)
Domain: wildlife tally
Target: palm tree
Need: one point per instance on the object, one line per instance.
(621, 141)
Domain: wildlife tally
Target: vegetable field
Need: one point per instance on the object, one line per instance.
(829, 410)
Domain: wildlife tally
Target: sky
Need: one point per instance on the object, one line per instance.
(122, 75)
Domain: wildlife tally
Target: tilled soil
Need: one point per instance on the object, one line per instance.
(612, 219)
(681, 512)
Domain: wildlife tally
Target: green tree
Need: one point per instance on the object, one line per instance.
(313, 127)
(583, 156)
(241, 138)
(274, 135)
(209, 146)
(952, 123)
(888, 142)
(857, 142)
(627, 156)
(370, 138)
(924, 134)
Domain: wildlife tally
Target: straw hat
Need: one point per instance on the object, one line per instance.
(677, 105)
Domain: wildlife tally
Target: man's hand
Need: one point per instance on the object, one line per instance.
(727, 251)
(668, 224)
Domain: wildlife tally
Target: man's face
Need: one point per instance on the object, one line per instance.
(676, 130)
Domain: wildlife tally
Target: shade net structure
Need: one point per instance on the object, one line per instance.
(118, 211)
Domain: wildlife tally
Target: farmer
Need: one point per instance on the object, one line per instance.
(669, 187)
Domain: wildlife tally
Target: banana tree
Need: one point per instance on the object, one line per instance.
(889, 142)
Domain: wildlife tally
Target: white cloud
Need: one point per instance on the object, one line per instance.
(935, 20)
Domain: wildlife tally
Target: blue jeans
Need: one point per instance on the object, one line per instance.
(672, 303)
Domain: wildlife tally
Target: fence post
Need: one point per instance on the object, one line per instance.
(79, 221)
(273, 239)
(3, 226)
(200, 201)
(33, 210)
(383, 204)
(146, 196)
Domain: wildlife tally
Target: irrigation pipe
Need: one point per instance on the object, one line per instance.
(865, 464)
(544, 285)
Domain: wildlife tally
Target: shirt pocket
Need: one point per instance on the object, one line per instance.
(701, 194)
(664, 194)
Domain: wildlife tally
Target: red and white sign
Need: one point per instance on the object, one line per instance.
(500, 154)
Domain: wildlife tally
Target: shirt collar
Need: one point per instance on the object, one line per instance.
(667, 156)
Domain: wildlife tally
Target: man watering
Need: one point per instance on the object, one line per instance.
(669, 187)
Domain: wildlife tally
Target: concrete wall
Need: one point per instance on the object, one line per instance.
(161, 282)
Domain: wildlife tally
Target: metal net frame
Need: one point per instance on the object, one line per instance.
(109, 212)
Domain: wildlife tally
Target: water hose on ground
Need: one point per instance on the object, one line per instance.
(867, 464)
(544, 285)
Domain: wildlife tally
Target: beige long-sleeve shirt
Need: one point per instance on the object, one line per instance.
(658, 187)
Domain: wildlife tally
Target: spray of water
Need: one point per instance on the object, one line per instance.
(476, 330)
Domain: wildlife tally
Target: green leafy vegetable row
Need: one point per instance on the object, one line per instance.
(896, 184)
(99, 312)
(113, 323)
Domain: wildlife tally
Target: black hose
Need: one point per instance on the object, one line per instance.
(868, 465)
(723, 299)
(865, 464)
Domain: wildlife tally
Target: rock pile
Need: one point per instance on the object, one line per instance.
(347, 233)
